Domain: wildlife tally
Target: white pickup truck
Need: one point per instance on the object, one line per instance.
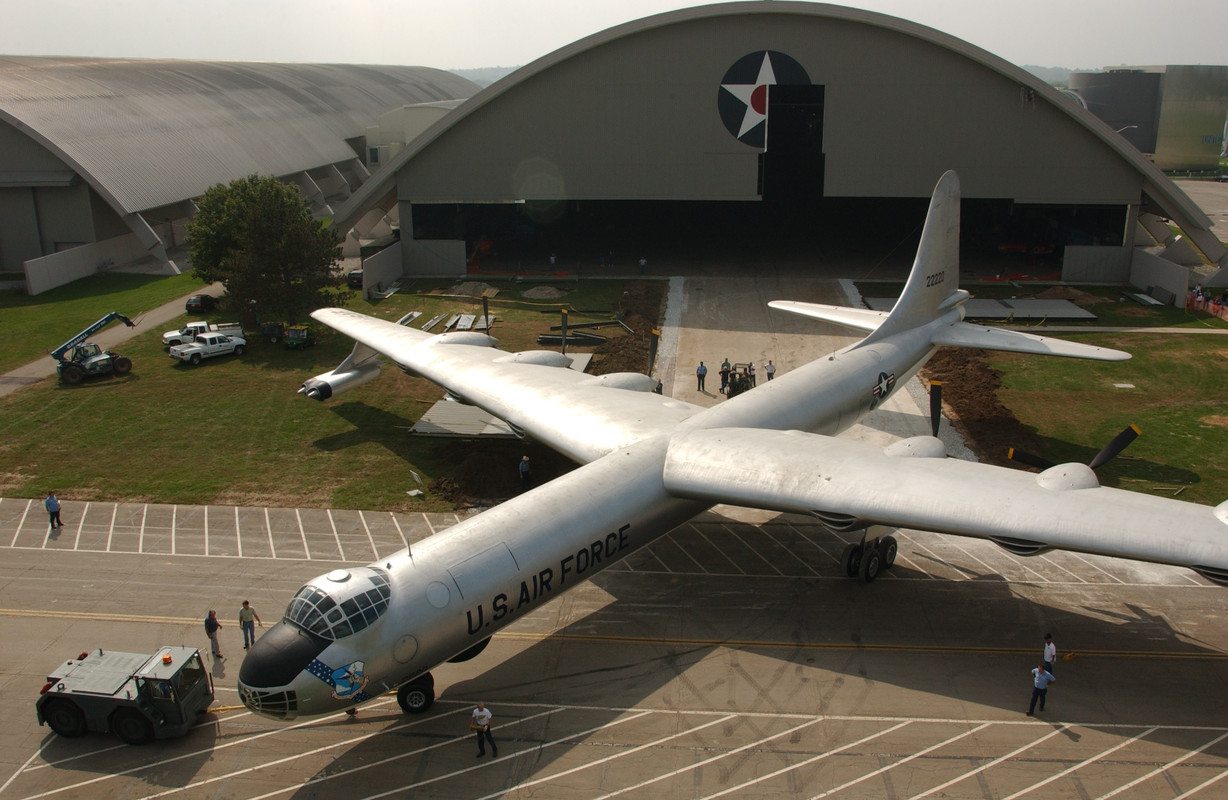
(189, 331)
(208, 345)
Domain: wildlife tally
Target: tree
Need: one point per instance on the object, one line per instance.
(256, 235)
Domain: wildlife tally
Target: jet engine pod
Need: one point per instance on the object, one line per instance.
(324, 386)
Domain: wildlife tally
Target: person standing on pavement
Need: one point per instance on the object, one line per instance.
(1041, 679)
(750, 373)
(1050, 653)
(212, 626)
(526, 474)
(770, 369)
(52, 504)
(481, 725)
(248, 618)
(700, 372)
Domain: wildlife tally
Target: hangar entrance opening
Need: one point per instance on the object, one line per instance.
(791, 168)
(999, 236)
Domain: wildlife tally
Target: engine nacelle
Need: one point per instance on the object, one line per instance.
(324, 386)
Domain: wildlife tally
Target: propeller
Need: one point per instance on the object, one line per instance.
(1114, 447)
(1110, 451)
(935, 405)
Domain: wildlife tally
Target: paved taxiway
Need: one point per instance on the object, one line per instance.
(730, 658)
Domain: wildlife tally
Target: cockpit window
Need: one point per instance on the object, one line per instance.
(353, 600)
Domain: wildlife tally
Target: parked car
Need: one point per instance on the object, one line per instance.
(192, 329)
(354, 279)
(208, 345)
(200, 303)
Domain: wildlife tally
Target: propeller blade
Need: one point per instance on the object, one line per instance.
(935, 405)
(1119, 443)
(1028, 458)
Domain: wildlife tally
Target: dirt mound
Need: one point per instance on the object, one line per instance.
(471, 289)
(641, 308)
(970, 400)
(544, 293)
(487, 471)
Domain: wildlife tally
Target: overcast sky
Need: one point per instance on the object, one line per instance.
(451, 34)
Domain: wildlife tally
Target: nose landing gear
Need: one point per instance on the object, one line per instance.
(418, 695)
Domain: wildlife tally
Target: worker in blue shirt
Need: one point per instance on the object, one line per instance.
(1041, 678)
(53, 508)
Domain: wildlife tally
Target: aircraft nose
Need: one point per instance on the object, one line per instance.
(272, 664)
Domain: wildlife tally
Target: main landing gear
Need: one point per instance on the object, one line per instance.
(870, 557)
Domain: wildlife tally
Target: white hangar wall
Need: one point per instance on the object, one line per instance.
(632, 114)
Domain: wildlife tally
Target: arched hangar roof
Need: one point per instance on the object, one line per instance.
(148, 133)
(641, 112)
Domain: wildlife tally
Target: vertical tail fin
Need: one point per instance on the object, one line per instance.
(933, 285)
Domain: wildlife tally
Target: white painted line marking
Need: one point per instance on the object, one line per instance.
(555, 776)
(813, 543)
(706, 761)
(21, 522)
(400, 532)
(1080, 765)
(813, 760)
(764, 530)
(22, 768)
(995, 762)
(111, 530)
(762, 557)
(712, 544)
(1047, 558)
(269, 528)
(208, 751)
(140, 539)
(905, 760)
(1093, 566)
(687, 553)
(302, 533)
(174, 523)
(366, 528)
(429, 526)
(80, 525)
(456, 773)
(238, 538)
(1202, 786)
(381, 762)
(1166, 768)
(206, 530)
(336, 536)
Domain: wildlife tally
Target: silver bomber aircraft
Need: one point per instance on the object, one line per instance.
(649, 463)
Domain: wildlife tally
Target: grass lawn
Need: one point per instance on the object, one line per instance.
(1174, 388)
(235, 431)
(32, 326)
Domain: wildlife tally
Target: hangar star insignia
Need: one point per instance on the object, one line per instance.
(742, 99)
(754, 95)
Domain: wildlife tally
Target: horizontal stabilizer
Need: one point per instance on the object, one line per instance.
(965, 334)
(862, 319)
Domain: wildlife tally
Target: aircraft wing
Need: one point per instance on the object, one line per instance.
(583, 416)
(912, 484)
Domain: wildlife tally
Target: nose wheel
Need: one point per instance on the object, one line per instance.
(418, 695)
(868, 558)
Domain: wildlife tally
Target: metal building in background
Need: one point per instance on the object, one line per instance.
(101, 158)
(1174, 114)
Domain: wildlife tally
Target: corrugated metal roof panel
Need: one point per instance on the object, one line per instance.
(151, 133)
